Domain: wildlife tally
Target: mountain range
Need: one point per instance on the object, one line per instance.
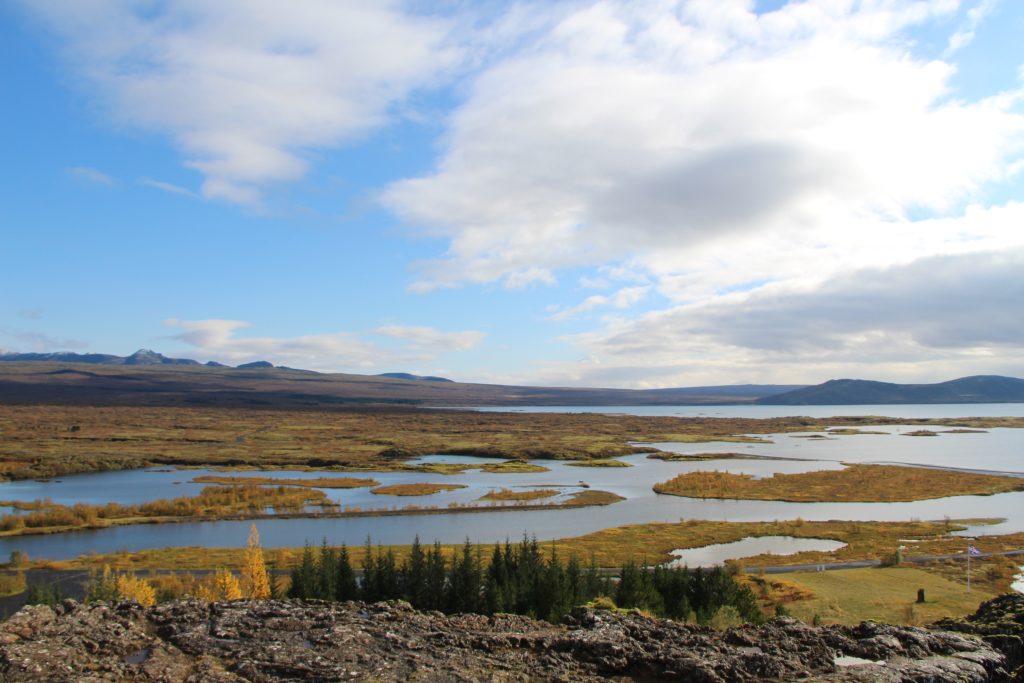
(150, 378)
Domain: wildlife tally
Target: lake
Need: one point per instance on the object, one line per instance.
(996, 450)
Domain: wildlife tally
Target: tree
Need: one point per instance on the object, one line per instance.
(102, 586)
(345, 587)
(255, 579)
(130, 587)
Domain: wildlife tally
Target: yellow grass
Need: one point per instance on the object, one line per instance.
(600, 463)
(414, 489)
(508, 494)
(887, 594)
(855, 483)
(319, 482)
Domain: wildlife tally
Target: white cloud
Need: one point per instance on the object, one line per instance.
(672, 135)
(964, 35)
(88, 174)
(624, 298)
(429, 339)
(336, 351)
(170, 188)
(246, 88)
(936, 318)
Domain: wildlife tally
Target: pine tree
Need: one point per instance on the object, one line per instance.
(304, 576)
(436, 579)
(255, 579)
(345, 587)
(414, 575)
(102, 586)
(326, 572)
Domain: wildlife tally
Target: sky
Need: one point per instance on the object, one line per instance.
(625, 193)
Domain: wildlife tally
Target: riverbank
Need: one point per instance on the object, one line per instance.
(88, 517)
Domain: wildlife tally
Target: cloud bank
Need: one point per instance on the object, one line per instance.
(331, 352)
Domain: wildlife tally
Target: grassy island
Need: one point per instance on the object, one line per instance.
(855, 483)
(508, 494)
(318, 482)
(423, 489)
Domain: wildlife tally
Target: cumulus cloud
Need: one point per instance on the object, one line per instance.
(247, 88)
(941, 316)
(335, 351)
(642, 132)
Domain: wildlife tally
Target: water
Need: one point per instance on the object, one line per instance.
(718, 553)
(756, 411)
(996, 450)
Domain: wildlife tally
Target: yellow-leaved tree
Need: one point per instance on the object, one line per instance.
(221, 585)
(255, 580)
(131, 587)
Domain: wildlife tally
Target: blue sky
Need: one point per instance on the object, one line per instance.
(619, 193)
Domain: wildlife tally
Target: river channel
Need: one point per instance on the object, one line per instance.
(998, 450)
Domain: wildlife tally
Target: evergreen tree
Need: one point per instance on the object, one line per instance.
(326, 572)
(436, 579)
(345, 586)
(304, 576)
(414, 575)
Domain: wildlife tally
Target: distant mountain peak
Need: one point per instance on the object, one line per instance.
(973, 389)
(255, 364)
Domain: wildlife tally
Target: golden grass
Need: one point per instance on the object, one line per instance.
(884, 594)
(920, 432)
(423, 489)
(511, 467)
(855, 483)
(213, 502)
(600, 463)
(508, 494)
(12, 584)
(319, 482)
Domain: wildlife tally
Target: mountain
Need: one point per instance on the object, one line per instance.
(148, 357)
(255, 364)
(976, 389)
(153, 380)
(418, 378)
(140, 357)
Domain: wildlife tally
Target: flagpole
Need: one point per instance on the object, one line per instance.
(968, 569)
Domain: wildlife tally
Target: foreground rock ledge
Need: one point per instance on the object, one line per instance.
(315, 641)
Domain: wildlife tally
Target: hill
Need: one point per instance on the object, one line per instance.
(976, 389)
(62, 383)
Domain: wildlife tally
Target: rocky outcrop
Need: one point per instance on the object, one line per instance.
(1000, 622)
(313, 641)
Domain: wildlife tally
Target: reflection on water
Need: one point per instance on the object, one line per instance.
(711, 555)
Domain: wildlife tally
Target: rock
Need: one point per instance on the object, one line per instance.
(271, 640)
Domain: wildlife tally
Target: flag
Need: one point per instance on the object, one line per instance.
(972, 551)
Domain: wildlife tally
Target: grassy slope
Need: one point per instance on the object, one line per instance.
(889, 595)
